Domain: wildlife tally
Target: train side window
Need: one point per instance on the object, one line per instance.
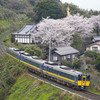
(79, 77)
(68, 76)
(49, 70)
(71, 77)
(88, 78)
(38, 65)
(32, 63)
(61, 74)
(55, 71)
(52, 70)
(64, 74)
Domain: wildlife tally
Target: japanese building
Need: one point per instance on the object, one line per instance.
(24, 34)
(59, 54)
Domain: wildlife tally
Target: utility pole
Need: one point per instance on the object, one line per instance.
(50, 48)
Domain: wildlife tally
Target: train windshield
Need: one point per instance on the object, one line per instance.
(88, 78)
(83, 79)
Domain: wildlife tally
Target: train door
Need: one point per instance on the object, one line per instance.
(83, 80)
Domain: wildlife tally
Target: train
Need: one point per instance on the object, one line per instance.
(51, 70)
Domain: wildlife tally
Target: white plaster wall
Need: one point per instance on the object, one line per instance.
(90, 48)
(23, 40)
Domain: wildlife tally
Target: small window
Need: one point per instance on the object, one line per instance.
(72, 77)
(73, 56)
(38, 65)
(33, 63)
(68, 76)
(54, 58)
(94, 48)
(79, 77)
(88, 78)
(68, 56)
(55, 71)
(83, 79)
(61, 74)
(64, 74)
(52, 70)
(49, 70)
(64, 57)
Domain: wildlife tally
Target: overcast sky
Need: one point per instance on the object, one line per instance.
(85, 4)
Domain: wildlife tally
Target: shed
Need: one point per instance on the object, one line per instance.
(59, 54)
(94, 46)
(96, 38)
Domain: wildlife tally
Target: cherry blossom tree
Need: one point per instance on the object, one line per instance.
(62, 30)
(96, 23)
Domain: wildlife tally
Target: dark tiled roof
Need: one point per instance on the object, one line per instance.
(96, 38)
(96, 43)
(65, 50)
(26, 30)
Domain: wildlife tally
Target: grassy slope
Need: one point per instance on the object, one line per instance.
(28, 88)
(4, 23)
(94, 91)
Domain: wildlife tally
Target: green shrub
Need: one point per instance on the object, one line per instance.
(66, 63)
(76, 63)
(97, 63)
(34, 50)
(77, 42)
(10, 70)
(92, 54)
(5, 40)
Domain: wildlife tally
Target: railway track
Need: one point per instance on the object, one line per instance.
(2, 49)
(91, 95)
(85, 94)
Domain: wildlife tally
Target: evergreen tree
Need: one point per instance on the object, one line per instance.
(76, 63)
(77, 42)
(50, 8)
(97, 62)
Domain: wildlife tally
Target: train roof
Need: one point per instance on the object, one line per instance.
(64, 69)
(23, 53)
(52, 65)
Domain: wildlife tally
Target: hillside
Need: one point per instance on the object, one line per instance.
(23, 10)
(14, 14)
(28, 88)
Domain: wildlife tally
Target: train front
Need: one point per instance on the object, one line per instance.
(83, 81)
